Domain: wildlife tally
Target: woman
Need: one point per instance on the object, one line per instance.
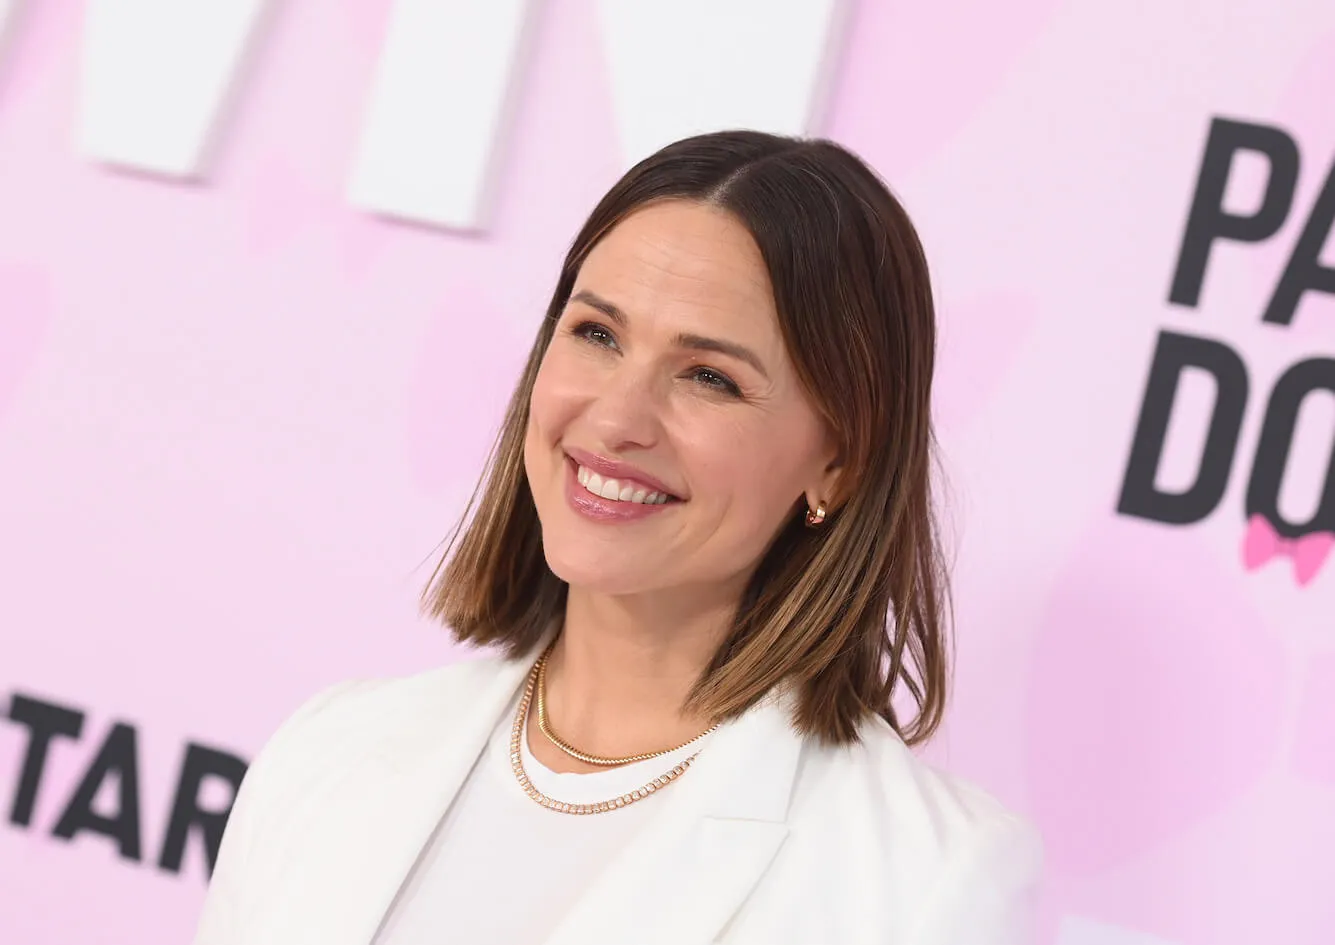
(705, 562)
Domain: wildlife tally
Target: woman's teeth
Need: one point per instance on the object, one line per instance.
(617, 491)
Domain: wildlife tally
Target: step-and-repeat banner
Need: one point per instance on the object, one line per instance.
(268, 271)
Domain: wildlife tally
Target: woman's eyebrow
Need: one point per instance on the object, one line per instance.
(683, 340)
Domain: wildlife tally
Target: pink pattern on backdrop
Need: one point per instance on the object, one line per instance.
(980, 339)
(1262, 543)
(367, 21)
(1157, 694)
(27, 48)
(25, 312)
(1314, 736)
(894, 75)
(470, 361)
(282, 206)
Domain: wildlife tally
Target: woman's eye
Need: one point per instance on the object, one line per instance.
(594, 333)
(716, 381)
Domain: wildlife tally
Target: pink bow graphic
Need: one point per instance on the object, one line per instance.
(1308, 552)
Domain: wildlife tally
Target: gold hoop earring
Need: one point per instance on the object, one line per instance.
(816, 517)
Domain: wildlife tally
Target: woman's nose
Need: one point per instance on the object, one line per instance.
(627, 408)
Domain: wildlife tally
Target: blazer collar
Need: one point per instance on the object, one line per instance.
(686, 873)
(400, 793)
(716, 831)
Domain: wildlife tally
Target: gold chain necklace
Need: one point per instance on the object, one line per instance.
(551, 803)
(545, 726)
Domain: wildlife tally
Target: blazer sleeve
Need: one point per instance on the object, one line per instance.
(991, 896)
(224, 902)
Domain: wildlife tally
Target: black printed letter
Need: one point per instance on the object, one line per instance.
(1304, 273)
(117, 756)
(1208, 221)
(44, 721)
(1272, 452)
(200, 763)
(1172, 356)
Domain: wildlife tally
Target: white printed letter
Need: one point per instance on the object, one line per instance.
(156, 74)
(442, 91)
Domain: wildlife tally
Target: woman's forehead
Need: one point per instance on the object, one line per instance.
(678, 257)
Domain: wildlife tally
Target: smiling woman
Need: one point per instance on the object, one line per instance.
(705, 556)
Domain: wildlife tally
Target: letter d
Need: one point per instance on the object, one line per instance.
(1173, 354)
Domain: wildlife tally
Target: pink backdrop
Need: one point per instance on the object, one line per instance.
(237, 415)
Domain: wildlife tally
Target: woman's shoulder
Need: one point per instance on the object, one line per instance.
(365, 715)
(950, 862)
(340, 731)
(938, 815)
(371, 695)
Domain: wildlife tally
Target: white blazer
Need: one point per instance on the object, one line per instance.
(769, 838)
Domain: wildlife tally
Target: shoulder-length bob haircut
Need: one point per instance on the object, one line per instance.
(847, 612)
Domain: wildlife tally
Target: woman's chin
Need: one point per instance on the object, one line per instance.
(599, 576)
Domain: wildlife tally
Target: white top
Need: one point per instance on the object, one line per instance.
(501, 869)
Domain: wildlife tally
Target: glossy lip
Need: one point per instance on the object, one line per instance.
(598, 509)
(612, 469)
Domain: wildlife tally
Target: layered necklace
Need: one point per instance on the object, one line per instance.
(535, 686)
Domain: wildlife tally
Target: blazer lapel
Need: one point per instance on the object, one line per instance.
(684, 875)
(390, 804)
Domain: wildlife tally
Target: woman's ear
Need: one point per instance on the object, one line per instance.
(829, 488)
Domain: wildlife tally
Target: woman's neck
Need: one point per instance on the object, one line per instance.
(619, 674)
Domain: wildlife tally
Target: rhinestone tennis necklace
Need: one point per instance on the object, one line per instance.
(551, 803)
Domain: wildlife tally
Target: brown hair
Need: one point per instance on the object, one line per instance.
(848, 611)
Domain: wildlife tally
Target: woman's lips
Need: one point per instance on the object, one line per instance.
(597, 508)
(616, 469)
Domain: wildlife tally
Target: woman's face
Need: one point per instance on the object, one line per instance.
(667, 374)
